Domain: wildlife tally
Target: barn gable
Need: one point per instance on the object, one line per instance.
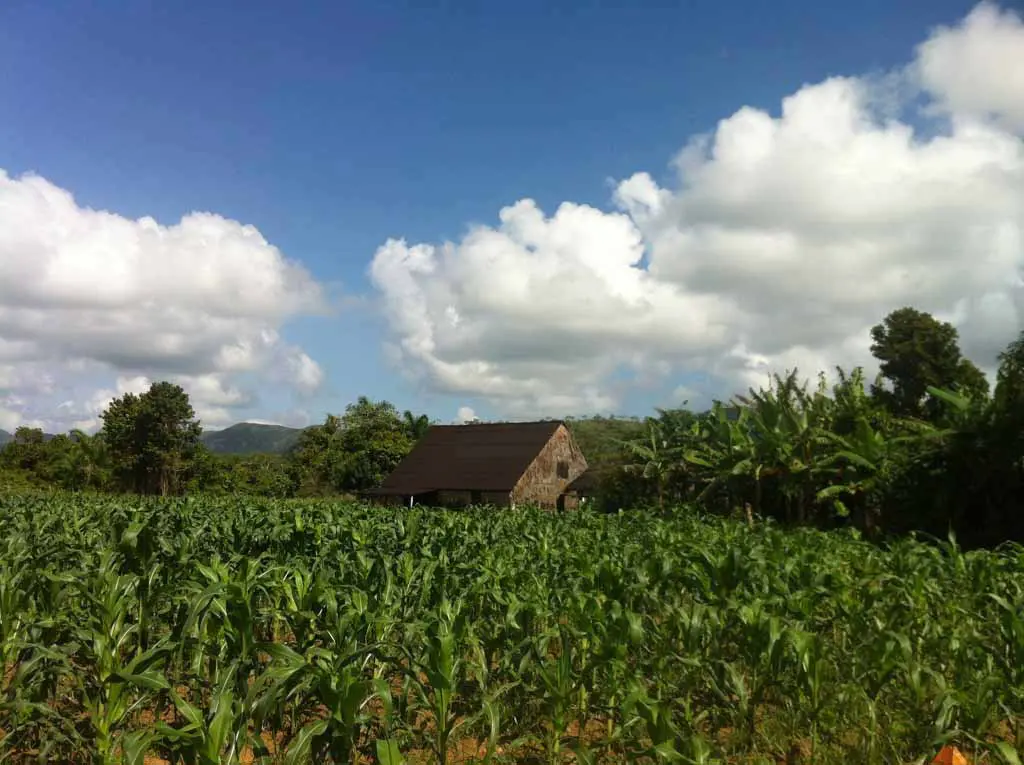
(546, 479)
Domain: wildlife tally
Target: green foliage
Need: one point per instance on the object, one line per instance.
(415, 426)
(73, 461)
(840, 456)
(603, 442)
(917, 351)
(355, 451)
(225, 631)
(259, 475)
(26, 449)
(152, 438)
(933, 453)
(151, 444)
(373, 439)
(1009, 395)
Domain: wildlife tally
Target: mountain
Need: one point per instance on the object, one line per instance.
(251, 438)
(242, 438)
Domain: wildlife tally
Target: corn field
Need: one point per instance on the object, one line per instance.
(222, 631)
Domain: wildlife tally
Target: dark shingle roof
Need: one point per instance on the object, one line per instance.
(586, 482)
(475, 457)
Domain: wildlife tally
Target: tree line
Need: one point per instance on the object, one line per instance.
(926, 446)
(150, 443)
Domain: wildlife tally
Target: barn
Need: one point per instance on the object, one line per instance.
(504, 464)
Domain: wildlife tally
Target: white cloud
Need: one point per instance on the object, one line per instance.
(88, 295)
(9, 419)
(465, 414)
(305, 374)
(977, 69)
(213, 389)
(783, 239)
(546, 308)
(682, 395)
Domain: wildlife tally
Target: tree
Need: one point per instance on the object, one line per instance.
(260, 475)
(26, 450)
(971, 381)
(352, 452)
(373, 439)
(1009, 395)
(916, 351)
(416, 427)
(311, 462)
(80, 461)
(152, 439)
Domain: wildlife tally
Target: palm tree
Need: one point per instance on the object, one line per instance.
(416, 427)
(82, 464)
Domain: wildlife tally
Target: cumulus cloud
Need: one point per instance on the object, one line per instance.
(782, 239)
(464, 414)
(977, 68)
(88, 296)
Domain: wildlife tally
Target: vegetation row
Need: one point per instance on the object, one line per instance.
(197, 630)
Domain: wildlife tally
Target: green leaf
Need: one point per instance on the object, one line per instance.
(220, 726)
(282, 654)
(834, 491)
(300, 747)
(584, 755)
(186, 710)
(1006, 753)
(151, 680)
(957, 401)
(388, 752)
(136, 744)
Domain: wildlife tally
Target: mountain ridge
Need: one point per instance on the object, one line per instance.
(240, 438)
(251, 438)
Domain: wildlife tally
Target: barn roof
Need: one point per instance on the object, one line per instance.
(473, 457)
(586, 482)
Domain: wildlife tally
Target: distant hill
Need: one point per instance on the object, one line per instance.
(251, 438)
(243, 438)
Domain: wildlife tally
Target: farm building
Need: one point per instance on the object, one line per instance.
(504, 464)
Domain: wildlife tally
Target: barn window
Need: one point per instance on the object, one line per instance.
(563, 469)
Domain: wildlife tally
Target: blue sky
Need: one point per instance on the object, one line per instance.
(331, 127)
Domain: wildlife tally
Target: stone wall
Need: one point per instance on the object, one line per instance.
(544, 481)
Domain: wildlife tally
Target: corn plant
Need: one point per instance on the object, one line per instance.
(223, 630)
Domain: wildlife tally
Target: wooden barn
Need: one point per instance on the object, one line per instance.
(504, 464)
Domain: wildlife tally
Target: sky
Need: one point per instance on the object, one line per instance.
(509, 211)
